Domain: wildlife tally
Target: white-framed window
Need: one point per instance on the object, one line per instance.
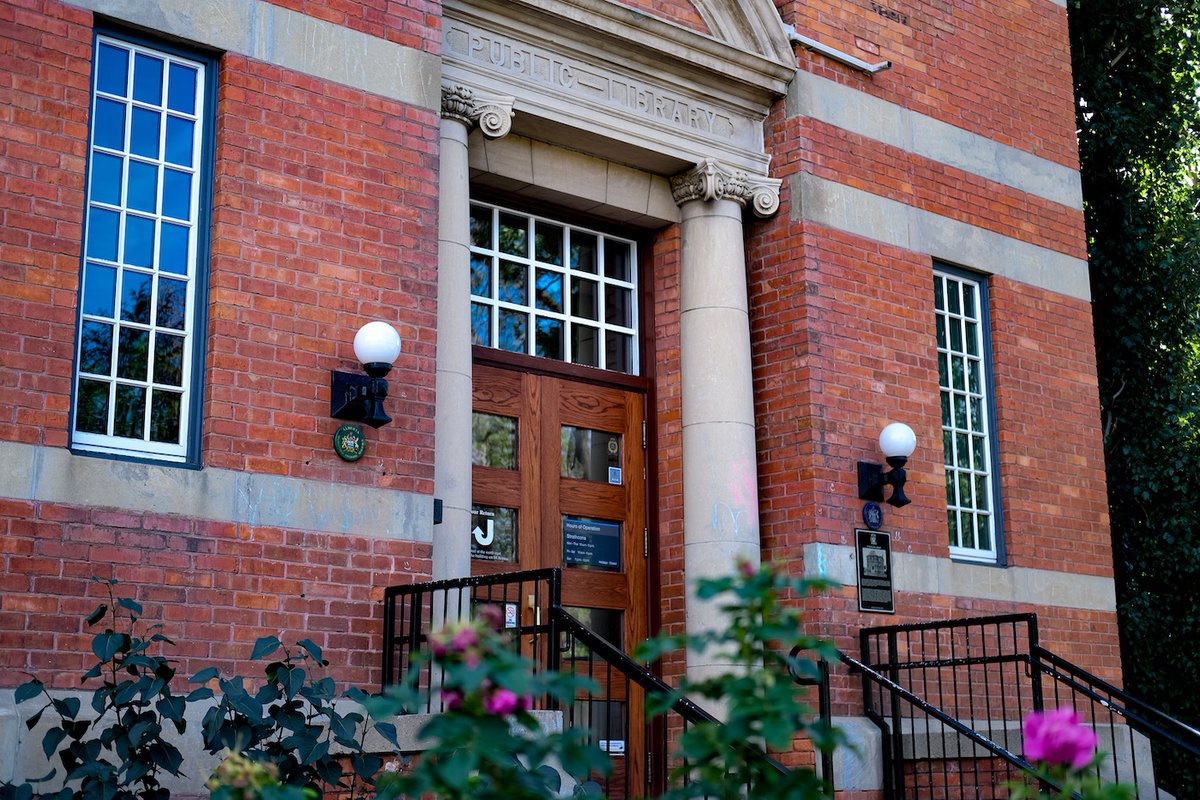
(968, 440)
(145, 243)
(546, 288)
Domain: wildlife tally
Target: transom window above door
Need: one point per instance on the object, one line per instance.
(545, 288)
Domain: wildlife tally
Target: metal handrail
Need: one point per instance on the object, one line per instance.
(1141, 715)
(993, 671)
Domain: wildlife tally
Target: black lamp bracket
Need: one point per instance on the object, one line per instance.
(359, 397)
(872, 480)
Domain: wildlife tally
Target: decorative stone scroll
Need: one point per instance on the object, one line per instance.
(492, 114)
(711, 180)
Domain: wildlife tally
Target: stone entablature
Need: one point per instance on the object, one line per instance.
(657, 102)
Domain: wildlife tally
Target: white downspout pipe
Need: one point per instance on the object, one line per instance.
(836, 55)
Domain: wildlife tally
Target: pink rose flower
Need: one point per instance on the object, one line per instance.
(491, 615)
(452, 698)
(526, 702)
(1058, 737)
(747, 569)
(464, 639)
(501, 701)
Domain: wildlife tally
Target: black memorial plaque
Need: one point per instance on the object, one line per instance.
(874, 571)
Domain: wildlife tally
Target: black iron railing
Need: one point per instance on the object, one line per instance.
(949, 698)
(412, 612)
(613, 711)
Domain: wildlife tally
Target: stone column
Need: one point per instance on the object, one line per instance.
(461, 109)
(720, 476)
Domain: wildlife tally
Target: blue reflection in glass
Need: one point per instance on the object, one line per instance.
(172, 302)
(481, 276)
(133, 354)
(168, 359)
(104, 182)
(548, 291)
(173, 248)
(548, 338)
(139, 241)
(177, 194)
(91, 407)
(108, 128)
(99, 290)
(143, 137)
(95, 348)
(514, 327)
(142, 193)
(481, 325)
(164, 416)
(131, 412)
(179, 140)
(112, 69)
(181, 88)
(135, 297)
(102, 234)
(514, 279)
(147, 79)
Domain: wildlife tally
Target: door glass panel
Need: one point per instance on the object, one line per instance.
(494, 441)
(494, 533)
(606, 721)
(591, 455)
(605, 622)
(591, 543)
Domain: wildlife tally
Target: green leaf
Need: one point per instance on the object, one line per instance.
(264, 647)
(205, 675)
(172, 707)
(130, 605)
(32, 722)
(51, 740)
(388, 731)
(313, 651)
(97, 615)
(67, 707)
(105, 645)
(365, 765)
(27, 691)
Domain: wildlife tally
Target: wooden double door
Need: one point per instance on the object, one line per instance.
(559, 480)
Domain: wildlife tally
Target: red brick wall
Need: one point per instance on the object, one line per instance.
(411, 23)
(324, 217)
(45, 68)
(842, 326)
(681, 12)
(214, 586)
(958, 61)
(667, 516)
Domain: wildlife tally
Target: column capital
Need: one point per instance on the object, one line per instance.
(493, 115)
(712, 180)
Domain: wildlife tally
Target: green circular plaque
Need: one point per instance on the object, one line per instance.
(349, 442)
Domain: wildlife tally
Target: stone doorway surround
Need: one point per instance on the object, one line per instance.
(595, 81)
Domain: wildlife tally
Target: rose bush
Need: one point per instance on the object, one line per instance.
(1063, 751)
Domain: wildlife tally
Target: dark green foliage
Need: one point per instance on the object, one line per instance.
(484, 748)
(292, 721)
(118, 752)
(1137, 70)
(763, 705)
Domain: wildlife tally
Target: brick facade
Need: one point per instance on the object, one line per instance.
(325, 212)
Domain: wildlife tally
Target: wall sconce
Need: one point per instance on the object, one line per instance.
(897, 441)
(360, 397)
